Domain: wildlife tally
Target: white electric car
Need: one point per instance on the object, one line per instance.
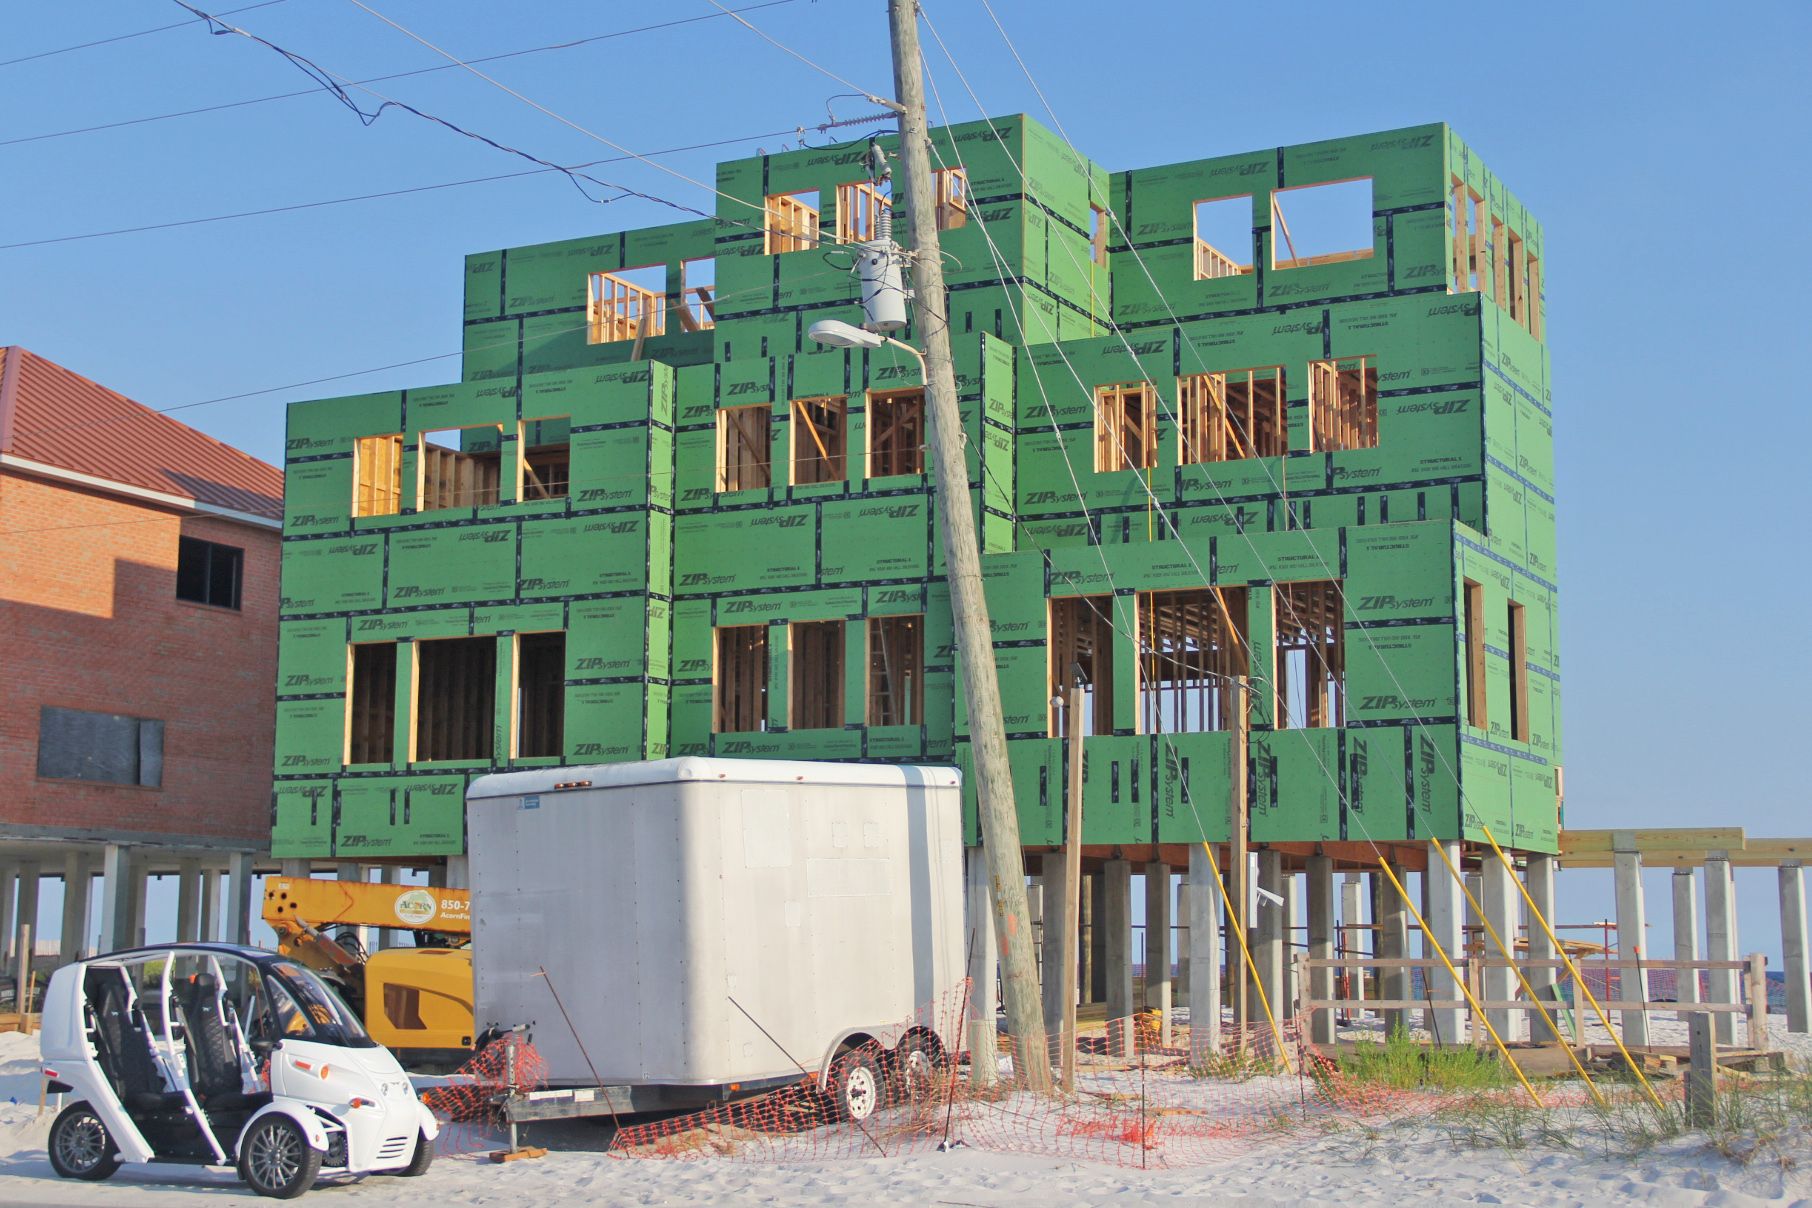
(217, 1055)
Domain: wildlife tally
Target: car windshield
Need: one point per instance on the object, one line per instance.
(324, 1016)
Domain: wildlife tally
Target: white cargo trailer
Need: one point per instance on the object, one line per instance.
(712, 925)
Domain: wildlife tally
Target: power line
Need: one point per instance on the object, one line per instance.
(63, 50)
(814, 65)
(399, 75)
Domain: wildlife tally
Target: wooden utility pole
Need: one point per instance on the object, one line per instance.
(962, 558)
(1237, 845)
(1072, 884)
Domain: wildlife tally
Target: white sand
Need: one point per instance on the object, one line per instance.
(1415, 1164)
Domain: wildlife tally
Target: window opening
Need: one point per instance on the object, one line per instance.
(820, 427)
(896, 671)
(1311, 655)
(460, 468)
(860, 205)
(1126, 430)
(742, 448)
(1473, 601)
(540, 695)
(1519, 673)
(108, 748)
(1097, 235)
(546, 446)
(1500, 276)
(698, 294)
(1466, 229)
(371, 704)
(741, 682)
(630, 304)
(896, 433)
(1532, 304)
(1082, 635)
(455, 698)
(1343, 404)
(815, 675)
(1519, 285)
(1321, 224)
(1233, 415)
(792, 222)
(377, 475)
(1192, 658)
(1223, 237)
(952, 199)
(208, 572)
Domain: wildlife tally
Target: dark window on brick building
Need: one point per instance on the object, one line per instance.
(109, 748)
(209, 573)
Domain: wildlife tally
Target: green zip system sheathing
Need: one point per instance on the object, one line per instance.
(1449, 514)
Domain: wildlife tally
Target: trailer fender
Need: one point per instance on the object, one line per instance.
(880, 1038)
(307, 1121)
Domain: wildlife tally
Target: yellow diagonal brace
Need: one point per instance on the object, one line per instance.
(1235, 924)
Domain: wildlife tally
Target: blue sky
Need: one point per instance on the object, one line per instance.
(1663, 148)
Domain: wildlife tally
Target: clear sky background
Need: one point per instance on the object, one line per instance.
(1663, 146)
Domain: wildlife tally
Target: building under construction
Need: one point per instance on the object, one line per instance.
(1265, 433)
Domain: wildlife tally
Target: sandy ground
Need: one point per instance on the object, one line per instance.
(1413, 1164)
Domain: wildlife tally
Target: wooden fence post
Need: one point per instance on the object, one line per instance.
(1756, 985)
(1701, 1072)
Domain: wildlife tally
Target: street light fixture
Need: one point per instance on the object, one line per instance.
(835, 333)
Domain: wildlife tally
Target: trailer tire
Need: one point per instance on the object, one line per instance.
(80, 1145)
(918, 1063)
(856, 1086)
(276, 1160)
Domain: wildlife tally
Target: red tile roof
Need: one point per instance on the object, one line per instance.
(53, 416)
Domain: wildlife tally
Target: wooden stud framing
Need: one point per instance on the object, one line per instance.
(1311, 654)
(544, 469)
(1477, 713)
(1126, 427)
(1343, 404)
(1233, 415)
(739, 679)
(1082, 634)
(455, 703)
(1533, 304)
(952, 199)
(792, 224)
(1467, 231)
(1519, 285)
(377, 475)
(820, 439)
(1097, 235)
(617, 309)
(540, 722)
(896, 432)
(1519, 673)
(896, 671)
(743, 458)
(1500, 276)
(859, 208)
(815, 675)
(1192, 656)
(370, 702)
(1212, 263)
(452, 478)
(698, 303)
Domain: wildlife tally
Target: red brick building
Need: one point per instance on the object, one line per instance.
(138, 621)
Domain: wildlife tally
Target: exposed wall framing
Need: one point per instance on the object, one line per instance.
(1311, 655)
(792, 223)
(740, 679)
(1082, 635)
(1192, 658)
(820, 440)
(618, 309)
(1329, 214)
(377, 468)
(860, 205)
(1126, 427)
(371, 703)
(465, 474)
(1233, 415)
(896, 432)
(1519, 282)
(1473, 601)
(455, 699)
(815, 675)
(743, 458)
(1466, 231)
(698, 294)
(546, 461)
(952, 199)
(896, 671)
(1519, 673)
(1343, 404)
(1097, 235)
(540, 695)
(1223, 237)
(1533, 310)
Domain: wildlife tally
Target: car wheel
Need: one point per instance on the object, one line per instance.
(277, 1160)
(80, 1145)
(856, 1086)
(424, 1157)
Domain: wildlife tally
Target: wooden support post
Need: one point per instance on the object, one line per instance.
(1053, 982)
(1701, 1072)
(1755, 987)
(22, 974)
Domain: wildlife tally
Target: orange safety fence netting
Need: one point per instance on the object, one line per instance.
(468, 1101)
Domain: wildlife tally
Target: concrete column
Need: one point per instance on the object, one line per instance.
(1446, 910)
(1204, 939)
(1051, 940)
(1793, 947)
(116, 894)
(1354, 941)
(1632, 944)
(1538, 879)
(9, 886)
(347, 870)
(1116, 921)
(1292, 923)
(1721, 944)
(1501, 902)
(1097, 939)
(77, 887)
(210, 904)
(1157, 945)
(386, 936)
(25, 914)
(1392, 940)
(1686, 937)
(1321, 944)
(1179, 985)
(984, 961)
(138, 884)
(188, 901)
(296, 868)
(236, 920)
(1085, 942)
(1268, 954)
